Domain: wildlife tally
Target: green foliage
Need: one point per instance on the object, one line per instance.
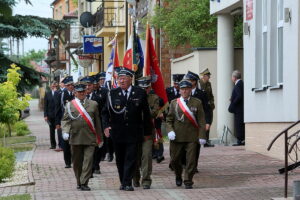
(21, 128)
(10, 100)
(17, 197)
(32, 55)
(7, 162)
(187, 22)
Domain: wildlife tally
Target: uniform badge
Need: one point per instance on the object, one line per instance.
(132, 92)
(119, 93)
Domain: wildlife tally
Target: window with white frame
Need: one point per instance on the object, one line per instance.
(264, 29)
(280, 16)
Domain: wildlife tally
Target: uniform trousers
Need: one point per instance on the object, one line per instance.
(187, 149)
(51, 122)
(144, 163)
(82, 162)
(126, 158)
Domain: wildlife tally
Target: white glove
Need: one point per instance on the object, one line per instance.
(202, 141)
(171, 135)
(100, 145)
(65, 136)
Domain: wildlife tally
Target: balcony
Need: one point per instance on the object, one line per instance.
(108, 20)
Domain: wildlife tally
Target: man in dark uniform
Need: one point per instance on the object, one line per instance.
(126, 118)
(173, 93)
(67, 96)
(82, 137)
(89, 81)
(237, 107)
(102, 77)
(206, 86)
(49, 112)
(201, 95)
(185, 127)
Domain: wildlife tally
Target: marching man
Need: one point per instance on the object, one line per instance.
(186, 128)
(81, 125)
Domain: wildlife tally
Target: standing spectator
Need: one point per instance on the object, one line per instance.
(126, 118)
(237, 107)
(49, 112)
(206, 86)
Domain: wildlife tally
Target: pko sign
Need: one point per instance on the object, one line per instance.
(92, 44)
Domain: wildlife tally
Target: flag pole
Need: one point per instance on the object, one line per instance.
(146, 57)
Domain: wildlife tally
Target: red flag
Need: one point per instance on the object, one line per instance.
(151, 68)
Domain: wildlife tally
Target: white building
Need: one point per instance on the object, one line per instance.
(271, 66)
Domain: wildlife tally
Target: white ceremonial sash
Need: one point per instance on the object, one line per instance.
(187, 112)
(86, 117)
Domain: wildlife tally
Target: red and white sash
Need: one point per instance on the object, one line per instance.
(187, 112)
(86, 117)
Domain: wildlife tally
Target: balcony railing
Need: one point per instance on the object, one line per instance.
(109, 17)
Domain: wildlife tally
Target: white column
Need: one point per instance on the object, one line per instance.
(225, 62)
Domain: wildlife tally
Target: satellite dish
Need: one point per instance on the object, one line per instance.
(86, 19)
(90, 0)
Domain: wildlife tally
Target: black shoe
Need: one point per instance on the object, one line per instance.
(136, 184)
(196, 171)
(111, 158)
(188, 187)
(78, 187)
(160, 159)
(85, 188)
(154, 156)
(52, 148)
(129, 188)
(209, 145)
(97, 171)
(68, 166)
(178, 181)
(92, 176)
(171, 168)
(146, 187)
(122, 187)
(239, 144)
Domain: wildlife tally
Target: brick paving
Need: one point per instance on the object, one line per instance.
(225, 173)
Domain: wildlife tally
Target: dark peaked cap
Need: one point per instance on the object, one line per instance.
(177, 77)
(191, 76)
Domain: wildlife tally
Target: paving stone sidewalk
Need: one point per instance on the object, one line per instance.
(225, 173)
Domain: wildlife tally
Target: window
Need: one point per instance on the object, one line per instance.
(279, 42)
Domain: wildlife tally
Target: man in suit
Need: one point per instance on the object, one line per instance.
(82, 128)
(65, 97)
(126, 118)
(201, 95)
(49, 112)
(206, 86)
(185, 127)
(237, 107)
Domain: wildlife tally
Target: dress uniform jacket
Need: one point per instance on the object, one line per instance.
(171, 94)
(208, 90)
(102, 94)
(80, 133)
(201, 95)
(184, 130)
(132, 124)
(59, 105)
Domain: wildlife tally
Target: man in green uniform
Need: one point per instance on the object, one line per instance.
(206, 86)
(185, 127)
(145, 148)
(81, 125)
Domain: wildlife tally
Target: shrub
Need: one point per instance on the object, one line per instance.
(3, 130)
(21, 128)
(7, 162)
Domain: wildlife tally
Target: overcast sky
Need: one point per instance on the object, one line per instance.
(40, 8)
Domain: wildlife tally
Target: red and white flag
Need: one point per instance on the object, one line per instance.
(187, 112)
(127, 60)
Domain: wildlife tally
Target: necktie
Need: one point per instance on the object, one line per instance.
(177, 92)
(186, 101)
(82, 102)
(125, 95)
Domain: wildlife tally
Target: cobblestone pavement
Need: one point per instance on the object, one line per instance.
(225, 173)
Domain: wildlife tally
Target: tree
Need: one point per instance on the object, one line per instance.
(10, 100)
(32, 55)
(189, 22)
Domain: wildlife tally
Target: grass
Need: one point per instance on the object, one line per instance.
(17, 197)
(19, 143)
